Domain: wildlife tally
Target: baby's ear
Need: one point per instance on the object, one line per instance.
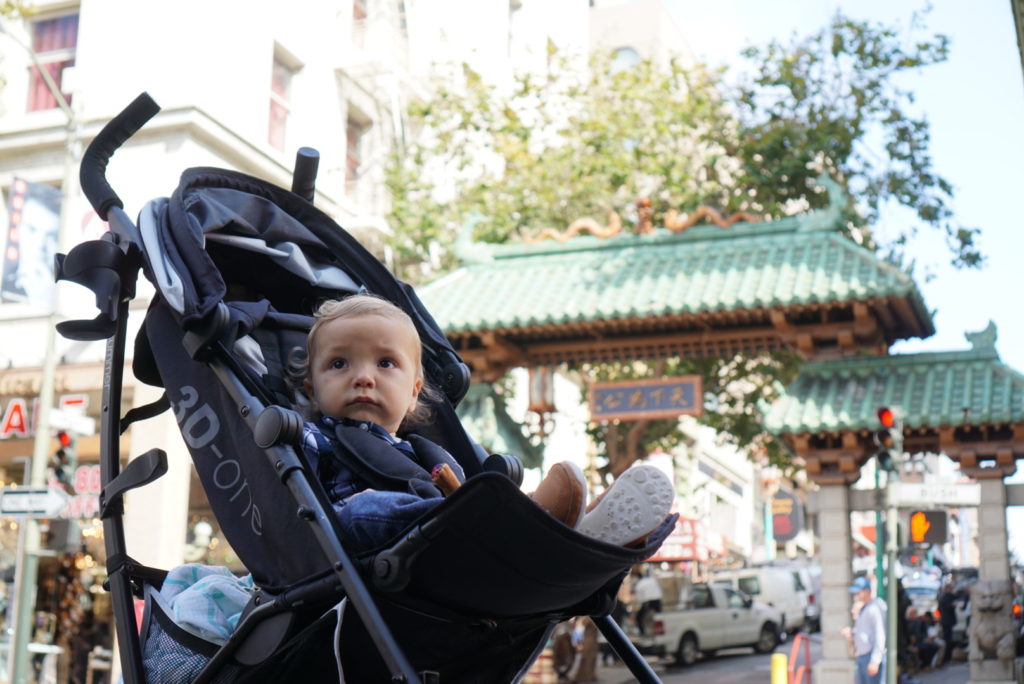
(307, 386)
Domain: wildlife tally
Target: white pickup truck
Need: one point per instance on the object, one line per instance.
(712, 617)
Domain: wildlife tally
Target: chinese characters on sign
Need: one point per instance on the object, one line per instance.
(646, 399)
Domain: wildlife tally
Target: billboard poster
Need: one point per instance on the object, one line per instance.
(33, 218)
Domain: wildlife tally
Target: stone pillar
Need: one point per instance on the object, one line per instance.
(992, 537)
(835, 665)
(994, 565)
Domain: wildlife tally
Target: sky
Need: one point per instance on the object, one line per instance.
(975, 105)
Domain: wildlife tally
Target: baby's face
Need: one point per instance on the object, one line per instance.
(366, 368)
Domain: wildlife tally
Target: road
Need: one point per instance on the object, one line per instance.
(743, 666)
(728, 666)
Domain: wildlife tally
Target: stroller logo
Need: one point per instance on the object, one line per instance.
(200, 428)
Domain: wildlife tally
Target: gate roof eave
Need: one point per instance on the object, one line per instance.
(702, 279)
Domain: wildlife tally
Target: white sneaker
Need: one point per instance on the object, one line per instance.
(632, 507)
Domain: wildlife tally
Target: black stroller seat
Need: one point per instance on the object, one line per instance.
(468, 593)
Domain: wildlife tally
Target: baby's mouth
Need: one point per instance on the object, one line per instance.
(363, 400)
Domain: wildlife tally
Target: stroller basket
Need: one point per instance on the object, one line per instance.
(469, 593)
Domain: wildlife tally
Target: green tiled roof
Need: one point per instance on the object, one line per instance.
(789, 262)
(933, 389)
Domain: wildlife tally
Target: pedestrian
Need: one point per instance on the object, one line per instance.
(867, 639)
(947, 618)
(922, 646)
(647, 593)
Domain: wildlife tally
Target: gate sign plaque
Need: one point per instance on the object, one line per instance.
(649, 399)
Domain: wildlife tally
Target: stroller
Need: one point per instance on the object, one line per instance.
(469, 593)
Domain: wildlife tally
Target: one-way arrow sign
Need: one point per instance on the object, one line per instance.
(32, 502)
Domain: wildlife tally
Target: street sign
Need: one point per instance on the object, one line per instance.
(61, 419)
(912, 494)
(32, 502)
(646, 399)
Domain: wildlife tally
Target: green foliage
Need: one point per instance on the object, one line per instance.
(830, 102)
(553, 150)
(572, 143)
(575, 143)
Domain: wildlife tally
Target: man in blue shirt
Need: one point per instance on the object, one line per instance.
(868, 636)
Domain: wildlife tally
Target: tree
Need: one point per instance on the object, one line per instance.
(573, 143)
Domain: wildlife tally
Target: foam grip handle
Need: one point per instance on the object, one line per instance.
(92, 173)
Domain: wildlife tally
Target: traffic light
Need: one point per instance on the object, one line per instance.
(889, 439)
(929, 527)
(66, 459)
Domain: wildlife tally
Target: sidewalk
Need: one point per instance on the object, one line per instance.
(953, 673)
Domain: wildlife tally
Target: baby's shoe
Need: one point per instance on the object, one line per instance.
(632, 507)
(563, 493)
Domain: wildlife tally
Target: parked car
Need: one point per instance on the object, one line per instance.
(780, 587)
(923, 591)
(711, 617)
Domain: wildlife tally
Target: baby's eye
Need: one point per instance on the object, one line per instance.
(386, 363)
(338, 363)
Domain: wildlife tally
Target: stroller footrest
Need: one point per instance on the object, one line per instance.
(140, 471)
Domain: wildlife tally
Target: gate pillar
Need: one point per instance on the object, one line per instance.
(992, 537)
(994, 565)
(835, 548)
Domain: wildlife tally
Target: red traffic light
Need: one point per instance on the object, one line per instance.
(64, 438)
(886, 417)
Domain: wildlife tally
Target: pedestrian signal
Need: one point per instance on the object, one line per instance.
(928, 527)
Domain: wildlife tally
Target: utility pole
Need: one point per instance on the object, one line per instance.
(27, 566)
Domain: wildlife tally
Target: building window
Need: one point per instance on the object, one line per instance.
(53, 41)
(354, 132)
(280, 102)
(624, 59)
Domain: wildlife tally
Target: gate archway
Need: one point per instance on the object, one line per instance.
(745, 288)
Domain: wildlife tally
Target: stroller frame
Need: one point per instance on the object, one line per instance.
(109, 267)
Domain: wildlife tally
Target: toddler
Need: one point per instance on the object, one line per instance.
(364, 378)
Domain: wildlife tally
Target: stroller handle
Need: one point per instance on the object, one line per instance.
(92, 174)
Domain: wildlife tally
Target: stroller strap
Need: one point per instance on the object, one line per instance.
(149, 410)
(386, 468)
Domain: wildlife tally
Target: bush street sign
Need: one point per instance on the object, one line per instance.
(912, 494)
(32, 502)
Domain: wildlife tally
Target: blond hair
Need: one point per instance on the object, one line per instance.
(365, 304)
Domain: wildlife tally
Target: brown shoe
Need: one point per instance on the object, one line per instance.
(563, 493)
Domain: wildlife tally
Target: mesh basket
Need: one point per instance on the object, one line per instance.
(171, 655)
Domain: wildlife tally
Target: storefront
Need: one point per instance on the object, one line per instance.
(72, 633)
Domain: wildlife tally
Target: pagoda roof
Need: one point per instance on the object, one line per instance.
(956, 389)
(789, 263)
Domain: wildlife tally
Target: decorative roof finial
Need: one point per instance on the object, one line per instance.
(983, 339)
(827, 218)
(466, 249)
